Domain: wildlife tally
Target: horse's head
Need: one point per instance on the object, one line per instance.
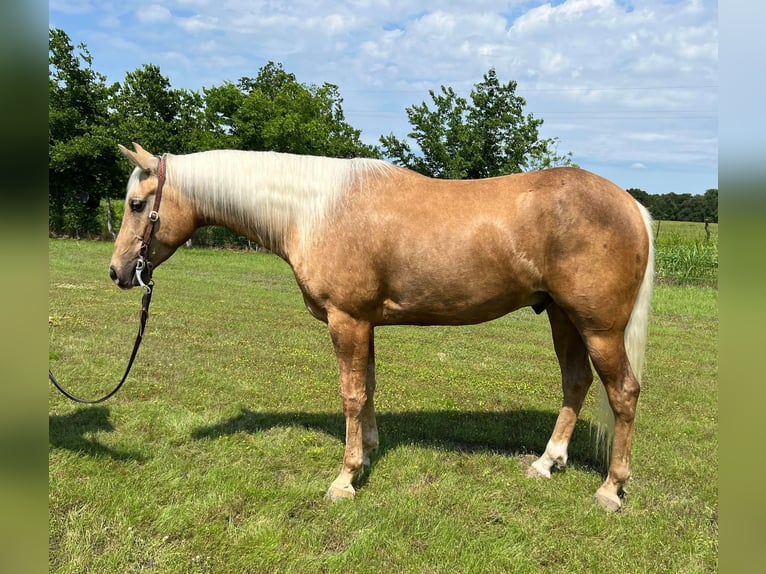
(173, 227)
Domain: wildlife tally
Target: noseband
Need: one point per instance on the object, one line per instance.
(147, 288)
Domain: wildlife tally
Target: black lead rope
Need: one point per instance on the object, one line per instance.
(145, 301)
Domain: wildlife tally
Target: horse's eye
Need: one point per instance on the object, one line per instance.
(137, 206)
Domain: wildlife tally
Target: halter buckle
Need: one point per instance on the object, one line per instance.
(154, 215)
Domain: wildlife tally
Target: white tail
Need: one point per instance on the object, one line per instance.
(635, 347)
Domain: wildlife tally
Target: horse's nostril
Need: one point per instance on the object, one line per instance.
(112, 273)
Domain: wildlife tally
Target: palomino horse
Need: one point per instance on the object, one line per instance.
(374, 244)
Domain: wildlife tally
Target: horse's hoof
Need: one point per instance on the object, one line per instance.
(536, 470)
(335, 493)
(607, 500)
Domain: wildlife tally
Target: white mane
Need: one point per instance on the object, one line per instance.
(268, 193)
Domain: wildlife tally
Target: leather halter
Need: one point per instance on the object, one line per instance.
(146, 286)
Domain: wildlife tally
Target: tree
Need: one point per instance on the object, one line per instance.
(148, 111)
(275, 112)
(82, 159)
(680, 207)
(689, 208)
(641, 196)
(221, 106)
(486, 137)
(710, 200)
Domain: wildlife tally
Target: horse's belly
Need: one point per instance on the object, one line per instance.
(442, 308)
(457, 291)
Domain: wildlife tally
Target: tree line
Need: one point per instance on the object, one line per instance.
(680, 206)
(484, 135)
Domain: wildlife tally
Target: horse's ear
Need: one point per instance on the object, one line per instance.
(140, 158)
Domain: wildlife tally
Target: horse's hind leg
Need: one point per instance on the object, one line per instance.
(576, 377)
(369, 424)
(607, 351)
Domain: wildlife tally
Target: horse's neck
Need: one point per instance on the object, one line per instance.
(268, 198)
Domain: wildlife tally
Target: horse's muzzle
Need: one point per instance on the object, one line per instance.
(124, 281)
(126, 277)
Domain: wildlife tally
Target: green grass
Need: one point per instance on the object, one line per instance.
(215, 455)
(684, 253)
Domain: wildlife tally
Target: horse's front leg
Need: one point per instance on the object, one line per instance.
(352, 340)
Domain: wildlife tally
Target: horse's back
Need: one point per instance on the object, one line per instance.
(556, 216)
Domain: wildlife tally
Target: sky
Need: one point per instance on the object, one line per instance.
(630, 88)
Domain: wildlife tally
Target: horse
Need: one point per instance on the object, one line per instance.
(374, 244)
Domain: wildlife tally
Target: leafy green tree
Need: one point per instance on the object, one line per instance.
(641, 196)
(274, 111)
(486, 137)
(82, 159)
(680, 207)
(221, 104)
(689, 208)
(149, 111)
(710, 200)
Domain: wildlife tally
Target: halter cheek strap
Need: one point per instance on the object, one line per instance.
(154, 215)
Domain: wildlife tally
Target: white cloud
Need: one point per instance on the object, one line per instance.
(196, 24)
(337, 23)
(649, 137)
(153, 13)
(553, 62)
(545, 16)
(435, 25)
(109, 22)
(71, 6)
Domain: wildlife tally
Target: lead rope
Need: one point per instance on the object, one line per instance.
(145, 301)
(147, 287)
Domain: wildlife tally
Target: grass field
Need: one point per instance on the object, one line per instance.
(685, 255)
(216, 454)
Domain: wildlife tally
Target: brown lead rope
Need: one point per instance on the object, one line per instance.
(145, 300)
(147, 287)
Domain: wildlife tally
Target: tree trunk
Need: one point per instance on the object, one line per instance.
(109, 225)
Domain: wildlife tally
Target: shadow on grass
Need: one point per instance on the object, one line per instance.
(70, 432)
(514, 433)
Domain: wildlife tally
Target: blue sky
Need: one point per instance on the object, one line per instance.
(629, 87)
